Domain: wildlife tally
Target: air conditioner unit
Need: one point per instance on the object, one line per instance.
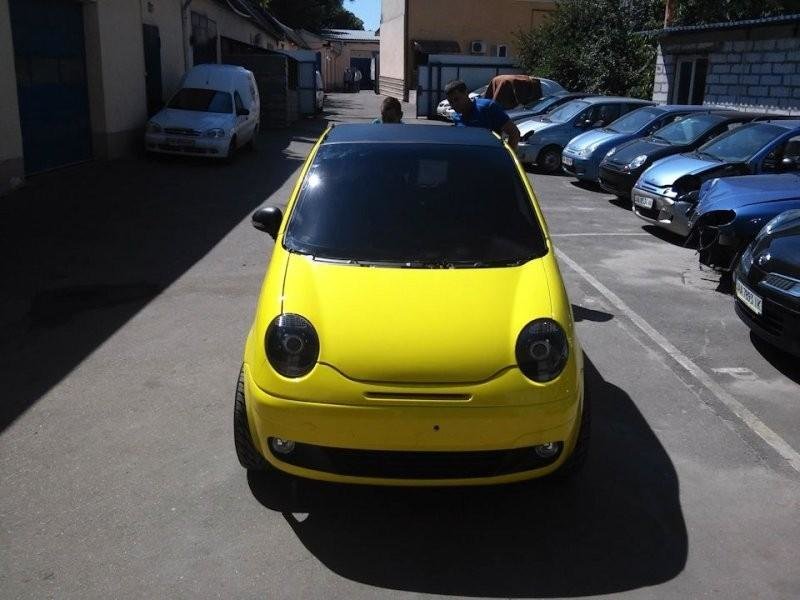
(477, 47)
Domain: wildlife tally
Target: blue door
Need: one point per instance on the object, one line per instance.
(51, 82)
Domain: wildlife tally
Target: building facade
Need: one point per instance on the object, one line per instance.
(746, 65)
(338, 49)
(413, 29)
(79, 79)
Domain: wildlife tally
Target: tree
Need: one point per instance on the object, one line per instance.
(314, 15)
(595, 46)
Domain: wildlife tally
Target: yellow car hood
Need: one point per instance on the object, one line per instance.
(416, 325)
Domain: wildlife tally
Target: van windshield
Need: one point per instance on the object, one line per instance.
(201, 100)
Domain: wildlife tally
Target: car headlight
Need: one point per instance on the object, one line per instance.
(215, 133)
(542, 350)
(747, 257)
(778, 221)
(636, 162)
(154, 127)
(292, 345)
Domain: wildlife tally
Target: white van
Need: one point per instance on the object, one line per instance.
(215, 111)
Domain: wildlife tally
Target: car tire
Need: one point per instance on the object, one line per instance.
(577, 459)
(246, 452)
(252, 145)
(231, 151)
(549, 159)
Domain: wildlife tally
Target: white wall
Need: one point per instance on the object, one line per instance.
(392, 45)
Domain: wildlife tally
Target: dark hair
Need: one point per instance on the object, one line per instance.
(391, 103)
(455, 86)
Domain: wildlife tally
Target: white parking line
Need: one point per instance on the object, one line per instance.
(737, 408)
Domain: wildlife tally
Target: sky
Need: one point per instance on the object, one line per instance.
(368, 11)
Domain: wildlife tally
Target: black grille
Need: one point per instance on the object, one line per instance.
(416, 465)
(615, 181)
(780, 282)
(181, 131)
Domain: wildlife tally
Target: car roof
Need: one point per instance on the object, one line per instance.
(668, 108)
(616, 99)
(352, 133)
(785, 123)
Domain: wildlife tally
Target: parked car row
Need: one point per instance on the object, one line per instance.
(727, 182)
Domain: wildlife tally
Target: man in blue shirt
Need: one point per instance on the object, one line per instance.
(480, 112)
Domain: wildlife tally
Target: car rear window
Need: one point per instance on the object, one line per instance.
(417, 204)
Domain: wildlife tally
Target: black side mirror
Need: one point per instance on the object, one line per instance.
(268, 219)
(242, 112)
(690, 197)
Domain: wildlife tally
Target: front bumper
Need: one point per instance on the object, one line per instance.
(528, 153)
(616, 182)
(778, 323)
(336, 440)
(581, 168)
(187, 146)
(665, 212)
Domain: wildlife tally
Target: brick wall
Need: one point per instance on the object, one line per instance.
(760, 75)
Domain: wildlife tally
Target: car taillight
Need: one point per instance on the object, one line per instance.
(542, 350)
(292, 345)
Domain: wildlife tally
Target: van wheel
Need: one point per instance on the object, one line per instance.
(248, 456)
(577, 459)
(549, 159)
(252, 145)
(231, 151)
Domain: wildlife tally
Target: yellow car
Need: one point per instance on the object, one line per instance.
(413, 327)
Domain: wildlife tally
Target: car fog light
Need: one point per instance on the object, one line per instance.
(281, 446)
(548, 450)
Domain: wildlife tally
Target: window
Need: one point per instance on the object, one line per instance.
(402, 203)
(603, 114)
(690, 81)
(502, 50)
(689, 129)
(201, 100)
(636, 120)
(790, 149)
(237, 102)
(742, 143)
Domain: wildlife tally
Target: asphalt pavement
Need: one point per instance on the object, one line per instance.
(128, 290)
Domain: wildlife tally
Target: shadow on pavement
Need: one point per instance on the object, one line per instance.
(664, 235)
(787, 364)
(84, 249)
(616, 527)
(581, 313)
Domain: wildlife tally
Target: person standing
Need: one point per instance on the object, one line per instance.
(480, 112)
(357, 77)
(348, 79)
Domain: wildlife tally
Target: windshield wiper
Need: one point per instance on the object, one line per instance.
(659, 138)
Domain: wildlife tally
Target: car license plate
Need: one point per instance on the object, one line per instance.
(179, 142)
(748, 297)
(566, 160)
(643, 201)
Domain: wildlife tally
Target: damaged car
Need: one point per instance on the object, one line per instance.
(767, 283)
(666, 192)
(731, 211)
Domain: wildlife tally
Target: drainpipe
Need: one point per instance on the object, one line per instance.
(669, 13)
(186, 26)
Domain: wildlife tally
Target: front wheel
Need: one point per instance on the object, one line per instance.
(550, 159)
(246, 452)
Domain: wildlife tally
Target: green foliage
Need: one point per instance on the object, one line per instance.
(696, 12)
(314, 15)
(595, 46)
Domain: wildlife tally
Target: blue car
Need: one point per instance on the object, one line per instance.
(668, 190)
(543, 138)
(731, 211)
(581, 158)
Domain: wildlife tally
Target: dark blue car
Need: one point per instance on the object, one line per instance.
(730, 212)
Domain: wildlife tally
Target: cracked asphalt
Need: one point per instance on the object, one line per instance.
(128, 289)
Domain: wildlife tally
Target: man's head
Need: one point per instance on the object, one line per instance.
(457, 96)
(391, 111)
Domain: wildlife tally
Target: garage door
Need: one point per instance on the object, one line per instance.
(51, 82)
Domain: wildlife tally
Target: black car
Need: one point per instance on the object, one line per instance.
(623, 165)
(767, 283)
(544, 105)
